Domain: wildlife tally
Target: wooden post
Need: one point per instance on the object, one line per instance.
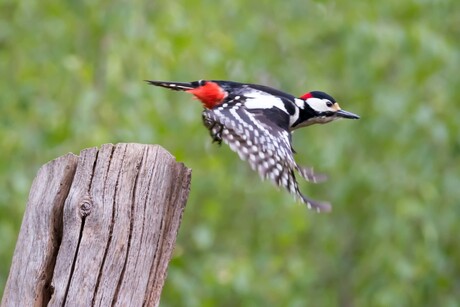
(99, 229)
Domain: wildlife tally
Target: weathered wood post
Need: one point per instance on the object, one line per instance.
(99, 229)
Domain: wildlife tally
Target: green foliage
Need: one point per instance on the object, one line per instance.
(72, 78)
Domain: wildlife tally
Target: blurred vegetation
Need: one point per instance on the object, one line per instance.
(73, 76)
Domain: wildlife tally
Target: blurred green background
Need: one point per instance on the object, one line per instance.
(72, 78)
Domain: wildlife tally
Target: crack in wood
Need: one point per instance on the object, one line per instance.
(72, 269)
(112, 222)
(131, 225)
(56, 232)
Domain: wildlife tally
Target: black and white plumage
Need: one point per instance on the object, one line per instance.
(256, 122)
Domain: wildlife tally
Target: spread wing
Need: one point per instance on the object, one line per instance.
(261, 137)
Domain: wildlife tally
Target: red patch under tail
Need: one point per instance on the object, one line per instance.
(210, 94)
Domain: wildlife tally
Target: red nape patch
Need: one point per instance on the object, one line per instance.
(210, 94)
(306, 96)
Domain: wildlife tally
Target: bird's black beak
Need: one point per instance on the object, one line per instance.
(346, 114)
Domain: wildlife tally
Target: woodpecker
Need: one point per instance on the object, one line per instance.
(257, 121)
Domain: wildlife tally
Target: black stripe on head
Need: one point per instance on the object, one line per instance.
(322, 95)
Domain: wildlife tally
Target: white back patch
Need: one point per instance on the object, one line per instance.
(261, 100)
(300, 103)
(294, 118)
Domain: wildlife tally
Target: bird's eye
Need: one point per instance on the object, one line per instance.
(329, 103)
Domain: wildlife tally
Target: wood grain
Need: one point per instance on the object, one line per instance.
(99, 229)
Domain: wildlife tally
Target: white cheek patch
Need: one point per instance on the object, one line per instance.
(318, 104)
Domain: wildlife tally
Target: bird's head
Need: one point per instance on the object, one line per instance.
(324, 108)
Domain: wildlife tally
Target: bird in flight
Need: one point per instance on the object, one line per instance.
(257, 121)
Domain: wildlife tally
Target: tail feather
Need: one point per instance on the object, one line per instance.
(308, 174)
(175, 86)
(318, 206)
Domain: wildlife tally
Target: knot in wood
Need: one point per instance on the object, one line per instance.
(85, 206)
